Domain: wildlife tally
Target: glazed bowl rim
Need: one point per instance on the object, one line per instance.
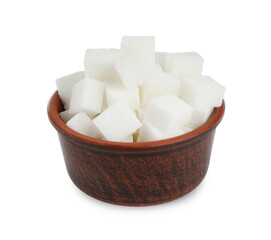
(53, 114)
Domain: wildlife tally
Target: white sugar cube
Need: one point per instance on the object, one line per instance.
(99, 63)
(115, 91)
(135, 69)
(66, 116)
(202, 92)
(160, 58)
(175, 133)
(187, 129)
(148, 133)
(134, 44)
(104, 106)
(168, 113)
(117, 122)
(87, 96)
(199, 117)
(161, 84)
(65, 84)
(140, 114)
(82, 123)
(128, 139)
(184, 64)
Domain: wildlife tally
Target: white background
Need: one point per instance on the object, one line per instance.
(44, 40)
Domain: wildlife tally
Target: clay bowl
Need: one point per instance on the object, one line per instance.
(136, 174)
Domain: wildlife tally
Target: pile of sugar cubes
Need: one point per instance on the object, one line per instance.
(138, 95)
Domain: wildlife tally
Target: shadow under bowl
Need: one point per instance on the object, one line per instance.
(136, 174)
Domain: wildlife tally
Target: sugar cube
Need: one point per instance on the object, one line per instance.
(168, 113)
(135, 69)
(184, 64)
(117, 122)
(160, 58)
(115, 91)
(140, 114)
(161, 84)
(66, 116)
(187, 129)
(128, 139)
(65, 84)
(199, 117)
(148, 133)
(202, 92)
(175, 133)
(87, 96)
(104, 106)
(82, 123)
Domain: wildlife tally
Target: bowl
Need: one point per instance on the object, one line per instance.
(136, 174)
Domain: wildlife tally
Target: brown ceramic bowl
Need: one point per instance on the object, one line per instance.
(136, 174)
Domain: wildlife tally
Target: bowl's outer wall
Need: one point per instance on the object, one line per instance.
(136, 174)
(138, 179)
